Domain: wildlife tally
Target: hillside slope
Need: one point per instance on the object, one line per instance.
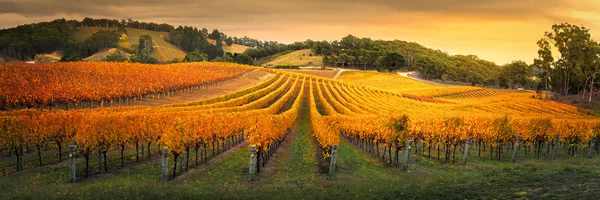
(106, 52)
(399, 84)
(300, 57)
(234, 48)
(163, 51)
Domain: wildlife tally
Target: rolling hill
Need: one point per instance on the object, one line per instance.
(399, 84)
(102, 54)
(163, 51)
(300, 58)
(234, 48)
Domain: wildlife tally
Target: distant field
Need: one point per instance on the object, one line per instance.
(320, 73)
(263, 61)
(300, 57)
(234, 48)
(469, 101)
(163, 51)
(399, 84)
(83, 32)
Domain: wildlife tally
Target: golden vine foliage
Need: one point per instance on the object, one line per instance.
(262, 114)
(365, 113)
(46, 83)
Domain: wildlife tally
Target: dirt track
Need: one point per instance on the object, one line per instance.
(252, 78)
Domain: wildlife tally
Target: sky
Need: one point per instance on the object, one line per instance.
(497, 30)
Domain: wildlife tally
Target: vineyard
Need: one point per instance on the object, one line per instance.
(266, 132)
(318, 73)
(403, 85)
(51, 84)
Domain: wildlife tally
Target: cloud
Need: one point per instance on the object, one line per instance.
(7, 7)
(331, 11)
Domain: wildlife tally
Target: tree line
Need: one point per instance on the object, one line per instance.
(368, 54)
(575, 70)
(25, 41)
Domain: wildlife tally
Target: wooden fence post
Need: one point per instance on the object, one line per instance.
(333, 160)
(591, 147)
(164, 165)
(555, 150)
(22, 161)
(252, 167)
(72, 166)
(516, 150)
(467, 148)
(181, 164)
(407, 155)
(99, 161)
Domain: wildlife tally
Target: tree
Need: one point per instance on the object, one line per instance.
(430, 67)
(321, 48)
(515, 74)
(144, 50)
(329, 61)
(196, 57)
(215, 34)
(115, 57)
(544, 60)
(190, 39)
(147, 59)
(342, 59)
(225, 58)
(572, 43)
(122, 30)
(392, 61)
(205, 32)
(379, 63)
(98, 41)
(351, 60)
(360, 60)
(350, 42)
(593, 58)
(145, 45)
(219, 43)
(244, 59)
(229, 41)
(88, 22)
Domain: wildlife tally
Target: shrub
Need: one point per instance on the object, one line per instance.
(70, 59)
(115, 57)
(287, 67)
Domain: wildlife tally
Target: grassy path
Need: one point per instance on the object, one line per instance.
(298, 162)
(294, 171)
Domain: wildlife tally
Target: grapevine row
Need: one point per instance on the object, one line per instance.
(51, 83)
(101, 130)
